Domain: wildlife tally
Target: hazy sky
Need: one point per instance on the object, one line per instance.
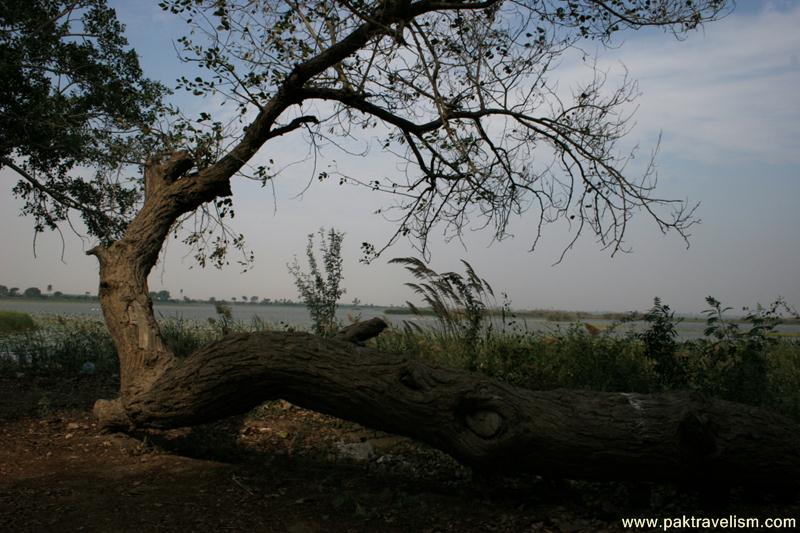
(724, 99)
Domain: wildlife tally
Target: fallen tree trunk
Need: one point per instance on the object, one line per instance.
(479, 421)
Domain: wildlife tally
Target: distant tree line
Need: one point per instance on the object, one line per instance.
(36, 292)
(162, 296)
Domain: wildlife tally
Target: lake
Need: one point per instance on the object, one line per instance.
(298, 316)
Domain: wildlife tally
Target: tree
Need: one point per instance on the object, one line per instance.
(462, 90)
(3, 291)
(32, 292)
(13, 291)
(321, 292)
(72, 96)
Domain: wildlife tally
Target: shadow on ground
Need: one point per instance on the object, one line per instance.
(281, 468)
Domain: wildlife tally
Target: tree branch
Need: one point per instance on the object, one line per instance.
(57, 196)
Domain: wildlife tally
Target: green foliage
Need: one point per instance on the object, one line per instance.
(14, 322)
(734, 363)
(73, 95)
(660, 345)
(321, 292)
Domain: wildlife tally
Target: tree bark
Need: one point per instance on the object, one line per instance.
(480, 422)
(362, 331)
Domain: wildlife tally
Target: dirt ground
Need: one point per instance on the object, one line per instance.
(282, 468)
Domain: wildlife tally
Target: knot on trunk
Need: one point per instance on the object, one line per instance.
(164, 169)
(484, 423)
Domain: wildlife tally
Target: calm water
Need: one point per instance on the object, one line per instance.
(292, 315)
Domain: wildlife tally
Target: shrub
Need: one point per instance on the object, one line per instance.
(660, 345)
(14, 322)
(319, 292)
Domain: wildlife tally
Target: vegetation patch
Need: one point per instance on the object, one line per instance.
(14, 322)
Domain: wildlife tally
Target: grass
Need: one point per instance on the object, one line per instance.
(64, 345)
(765, 374)
(59, 345)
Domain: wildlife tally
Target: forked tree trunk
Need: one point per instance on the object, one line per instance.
(479, 421)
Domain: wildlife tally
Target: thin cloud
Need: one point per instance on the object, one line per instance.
(730, 92)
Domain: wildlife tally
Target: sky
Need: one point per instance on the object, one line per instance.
(724, 101)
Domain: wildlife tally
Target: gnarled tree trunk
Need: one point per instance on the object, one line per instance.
(479, 421)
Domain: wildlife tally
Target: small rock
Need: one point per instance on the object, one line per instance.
(68, 436)
(357, 451)
(72, 426)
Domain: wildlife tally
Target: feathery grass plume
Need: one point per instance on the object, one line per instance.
(460, 303)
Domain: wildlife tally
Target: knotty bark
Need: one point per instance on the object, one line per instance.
(479, 421)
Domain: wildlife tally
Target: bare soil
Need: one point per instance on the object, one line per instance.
(282, 468)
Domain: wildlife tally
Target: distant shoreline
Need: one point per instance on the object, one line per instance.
(549, 315)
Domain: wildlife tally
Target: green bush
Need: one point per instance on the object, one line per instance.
(660, 345)
(14, 322)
